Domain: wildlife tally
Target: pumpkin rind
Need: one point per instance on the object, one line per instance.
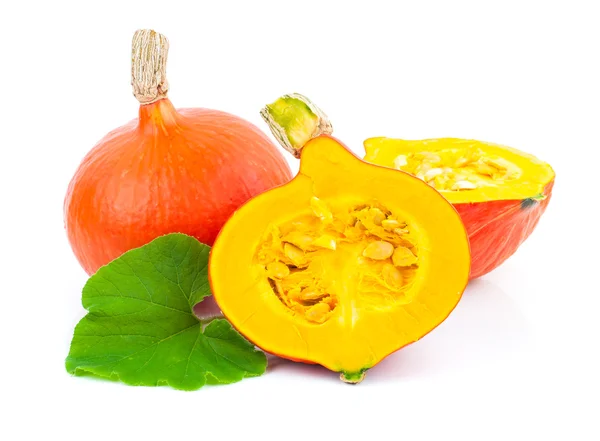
(497, 228)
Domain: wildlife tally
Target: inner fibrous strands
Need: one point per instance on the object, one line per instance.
(458, 169)
(362, 255)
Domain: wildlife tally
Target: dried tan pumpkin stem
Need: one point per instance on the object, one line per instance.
(149, 51)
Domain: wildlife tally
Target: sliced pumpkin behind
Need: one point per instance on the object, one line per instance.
(343, 265)
(499, 192)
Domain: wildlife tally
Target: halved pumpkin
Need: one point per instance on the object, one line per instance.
(343, 265)
(499, 192)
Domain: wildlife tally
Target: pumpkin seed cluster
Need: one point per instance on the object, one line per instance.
(458, 169)
(309, 260)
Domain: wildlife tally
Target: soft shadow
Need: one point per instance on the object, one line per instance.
(486, 327)
(207, 308)
(281, 365)
(481, 287)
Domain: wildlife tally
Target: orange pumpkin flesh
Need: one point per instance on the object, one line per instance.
(169, 171)
(499, 192)
(334, 268)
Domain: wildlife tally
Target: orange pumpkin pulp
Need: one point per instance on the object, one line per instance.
(334, 268)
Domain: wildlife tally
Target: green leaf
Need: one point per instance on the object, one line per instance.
(141, 328)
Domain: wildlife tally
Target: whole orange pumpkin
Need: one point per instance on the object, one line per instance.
(184, 170)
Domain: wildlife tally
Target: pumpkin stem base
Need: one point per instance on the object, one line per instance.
(353, 377)
(294, 120)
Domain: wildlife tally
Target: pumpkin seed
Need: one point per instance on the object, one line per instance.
(390, 224)
(391, 276)
(464, 185)
(294, 294)
(402, 256)
(325, 241)
(430, 174)
(400, 161)
(377, 216)
(295, 254)
(309, 295)
(379, 250)
(317, 313)
(320, 209)
(485, 169)
(277, 270)
(301, 240)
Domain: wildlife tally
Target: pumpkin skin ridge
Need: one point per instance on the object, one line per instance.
(271, 346)
(166, 183)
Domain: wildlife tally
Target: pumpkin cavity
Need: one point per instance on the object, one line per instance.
(363, 254)
(458, 169)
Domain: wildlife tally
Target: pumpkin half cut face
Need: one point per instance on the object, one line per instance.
(343, 265)
(499, 192)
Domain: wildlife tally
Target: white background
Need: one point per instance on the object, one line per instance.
(518, 359)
